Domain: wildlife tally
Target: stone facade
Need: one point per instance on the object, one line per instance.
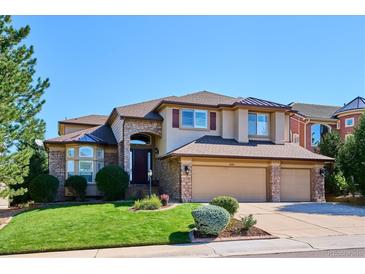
(57, 168)
(133, 126)
(317, 185)
(186, 181)
(273, 182)
(168, 173)
(110, 158)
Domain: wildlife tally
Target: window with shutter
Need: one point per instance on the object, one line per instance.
(175, 118)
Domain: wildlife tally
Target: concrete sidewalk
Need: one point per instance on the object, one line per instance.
(217, 249)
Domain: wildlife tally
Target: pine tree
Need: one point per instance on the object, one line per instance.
(20, 101)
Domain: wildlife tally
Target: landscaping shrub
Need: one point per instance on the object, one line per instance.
(149, 203)
(210, 219)
(248, 222)
(43, 188)
(112, 181)
(165, 199)
(77, 185)
(228, 203)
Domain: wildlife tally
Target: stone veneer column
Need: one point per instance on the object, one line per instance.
(186, 181)
(274, 177)
(57, 168)
(317, 185)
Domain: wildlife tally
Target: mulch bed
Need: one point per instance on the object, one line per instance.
(234, 231)
(169, 206)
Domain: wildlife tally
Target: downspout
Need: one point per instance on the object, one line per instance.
(305, 132)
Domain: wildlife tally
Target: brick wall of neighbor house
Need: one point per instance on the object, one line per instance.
(57, 168)
(273, 183)
(317, 185)
(168, 173)
(348, 130)
(297, 127)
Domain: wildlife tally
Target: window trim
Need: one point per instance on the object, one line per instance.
(194, 126)
(92, 170)
(268, 124)
(350, 119)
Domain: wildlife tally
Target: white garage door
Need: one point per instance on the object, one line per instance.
(295, 185)
(245, 184)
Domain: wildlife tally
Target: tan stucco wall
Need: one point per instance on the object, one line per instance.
(241, 125)
(287, 129)
(277, 127)
(228, 124)
(173, 138)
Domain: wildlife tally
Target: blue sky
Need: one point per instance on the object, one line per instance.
(96, 63)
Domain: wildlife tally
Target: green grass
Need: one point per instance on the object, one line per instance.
(94, 226)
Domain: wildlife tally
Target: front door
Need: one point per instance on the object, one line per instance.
(141, 163)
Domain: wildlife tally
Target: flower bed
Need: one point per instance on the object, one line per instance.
(234, 231)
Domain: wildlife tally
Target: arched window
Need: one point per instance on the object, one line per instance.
(317, 133)
(140, 139)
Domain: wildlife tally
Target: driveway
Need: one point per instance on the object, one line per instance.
(288, 220)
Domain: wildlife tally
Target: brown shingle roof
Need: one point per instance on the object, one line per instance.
(87, 120)
(142, 110)
(314, 111)
(98, 135)
(203, 98)
(147, 110)
(215, 146)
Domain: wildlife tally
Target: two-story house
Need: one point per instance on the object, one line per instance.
(310, 122)
(197, 146)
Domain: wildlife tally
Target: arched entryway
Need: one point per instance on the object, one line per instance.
(317, 133)
(141, 158)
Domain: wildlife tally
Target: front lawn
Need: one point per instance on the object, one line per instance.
(94, 226)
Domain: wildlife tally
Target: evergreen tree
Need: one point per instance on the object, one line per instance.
(20, 101)
(359, 152)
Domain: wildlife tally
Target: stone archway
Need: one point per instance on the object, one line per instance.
(131, 127)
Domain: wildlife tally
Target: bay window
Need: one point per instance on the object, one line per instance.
(258, 124)
(194, 118)
(86, 170)
(85, 161)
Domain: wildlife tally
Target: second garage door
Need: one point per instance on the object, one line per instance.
(295, 185)
(245, 184)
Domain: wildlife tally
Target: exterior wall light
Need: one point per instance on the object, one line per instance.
(322, 172)
(187, 169)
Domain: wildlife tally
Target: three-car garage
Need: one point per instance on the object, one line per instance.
(247, 183)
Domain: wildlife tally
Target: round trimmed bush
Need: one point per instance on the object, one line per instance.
(210, 219)
(227, 202)
(77, 184)
(43, 188)
(112, 181)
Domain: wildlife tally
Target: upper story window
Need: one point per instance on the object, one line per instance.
(194, 118)
(71, 152)
(349, 122)
(86, 152)
(258, 124)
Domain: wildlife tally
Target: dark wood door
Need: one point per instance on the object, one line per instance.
(140, 166)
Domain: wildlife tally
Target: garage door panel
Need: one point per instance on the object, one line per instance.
(245, 184)
(295, 185)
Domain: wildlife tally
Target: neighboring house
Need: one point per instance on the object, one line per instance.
(198, 146)
(311, 122)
